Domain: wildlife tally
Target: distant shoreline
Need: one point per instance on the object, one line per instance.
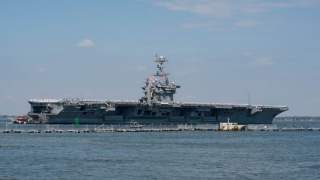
(8, 116)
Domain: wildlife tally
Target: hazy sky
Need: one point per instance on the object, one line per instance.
(218, 50)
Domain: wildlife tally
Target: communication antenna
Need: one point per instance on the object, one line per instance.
(249, 98)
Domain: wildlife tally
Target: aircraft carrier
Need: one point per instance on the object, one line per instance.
(156, 107)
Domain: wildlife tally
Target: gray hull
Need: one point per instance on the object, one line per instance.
(127, 112)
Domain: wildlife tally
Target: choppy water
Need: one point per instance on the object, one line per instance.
(165, 155)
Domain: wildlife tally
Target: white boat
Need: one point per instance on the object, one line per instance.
(231, 126)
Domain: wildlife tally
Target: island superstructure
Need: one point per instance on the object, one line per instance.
(156, 107)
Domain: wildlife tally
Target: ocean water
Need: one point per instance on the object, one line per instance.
(161, 155)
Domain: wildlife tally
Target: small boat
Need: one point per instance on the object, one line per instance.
(231, 126)
(21, 120)
(134, 124)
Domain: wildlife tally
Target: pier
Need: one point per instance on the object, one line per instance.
(109, 129)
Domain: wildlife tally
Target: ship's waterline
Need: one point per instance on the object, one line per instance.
(157, 106)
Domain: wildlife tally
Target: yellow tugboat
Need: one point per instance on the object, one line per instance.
(229, 126)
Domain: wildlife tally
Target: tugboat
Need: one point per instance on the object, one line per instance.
(229, 126)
